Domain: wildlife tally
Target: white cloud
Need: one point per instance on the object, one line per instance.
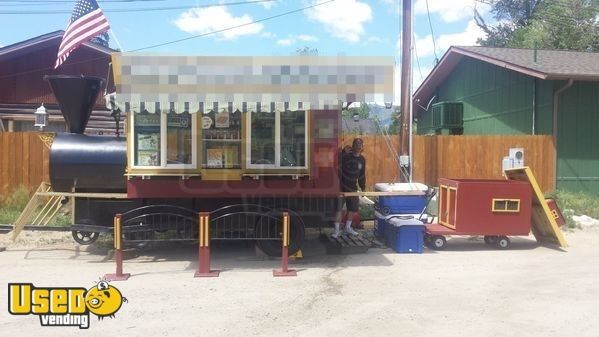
(268, 4)
(424, 45)
(344, 19)
(451, 11)
(206, 20)
(284, 42)
(292, 39)
(268, 35)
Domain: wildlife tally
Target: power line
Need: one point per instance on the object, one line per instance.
(128, 10)
(176, 41)
(428, 13)
(234, 27)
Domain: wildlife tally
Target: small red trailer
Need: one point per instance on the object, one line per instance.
(495, 209)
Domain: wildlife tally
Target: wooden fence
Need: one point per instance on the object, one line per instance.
(23, 161)
(457, 157)
(24, 158)
(480, 157)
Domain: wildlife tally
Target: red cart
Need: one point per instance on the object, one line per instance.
(495, 209)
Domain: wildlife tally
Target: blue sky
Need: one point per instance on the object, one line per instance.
(349, 27)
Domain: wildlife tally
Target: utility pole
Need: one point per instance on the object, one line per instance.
(406, 99)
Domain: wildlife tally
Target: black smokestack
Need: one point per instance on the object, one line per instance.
(76, 96)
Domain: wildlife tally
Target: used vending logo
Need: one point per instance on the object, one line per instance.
(64, 306)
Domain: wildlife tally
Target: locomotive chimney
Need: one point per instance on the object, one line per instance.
(76, 96)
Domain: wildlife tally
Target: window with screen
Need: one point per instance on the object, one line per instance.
(506, 205)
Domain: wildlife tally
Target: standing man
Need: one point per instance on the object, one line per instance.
(353, 175)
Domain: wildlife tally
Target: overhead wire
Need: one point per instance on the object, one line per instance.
(430, 24)
(176, 41)
(130, 9)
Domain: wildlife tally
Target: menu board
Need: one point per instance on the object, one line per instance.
(214, 158)
(148, 158)
(148, 141)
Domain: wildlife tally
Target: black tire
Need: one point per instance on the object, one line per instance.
(503, 242)
(428, 240)
(491, 239)
(438, 242)
(85, 238)
(274, 247)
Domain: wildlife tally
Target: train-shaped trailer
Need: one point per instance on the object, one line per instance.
(242, 137)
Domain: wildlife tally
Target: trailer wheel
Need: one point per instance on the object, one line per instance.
(490, 239)
(85, 238)
(503, 242)
(438, 242)
(274, 247)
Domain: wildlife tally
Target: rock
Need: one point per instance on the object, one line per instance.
(585, 221)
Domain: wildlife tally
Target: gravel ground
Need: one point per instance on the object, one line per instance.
(467, 290)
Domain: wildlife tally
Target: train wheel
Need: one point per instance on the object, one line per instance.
(438, 242)
(490, 239)
(85, 238)
(274, 247)
(503, 242)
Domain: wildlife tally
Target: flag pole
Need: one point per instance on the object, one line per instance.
(116, 40)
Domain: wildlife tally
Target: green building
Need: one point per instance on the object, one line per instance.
(503, 91)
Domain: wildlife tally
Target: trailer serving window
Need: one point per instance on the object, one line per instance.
(163, 136)
(221, 136)
(277, 140)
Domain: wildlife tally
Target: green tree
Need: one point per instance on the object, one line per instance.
(363, 111)
(510, 15)
(102, 39)
(395, 122)
(546, 24)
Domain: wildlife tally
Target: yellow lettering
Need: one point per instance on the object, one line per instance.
(40, 303)
(19, 299)
(77, 301)
(58, 305)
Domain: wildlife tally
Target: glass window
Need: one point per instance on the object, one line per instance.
(506, 205)
(293, 138)
(147, 139)
(221, 134)
(262, 139)
(277, 139)
(178, 139)
(164, 139)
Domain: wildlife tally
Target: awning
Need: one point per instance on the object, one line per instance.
(207, 107)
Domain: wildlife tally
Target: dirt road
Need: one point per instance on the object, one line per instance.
(467, 290)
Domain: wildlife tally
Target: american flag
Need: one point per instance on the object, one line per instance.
(87, 22)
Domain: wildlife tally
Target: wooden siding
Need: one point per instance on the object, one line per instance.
(496, 100)
(480, 157)
(578, 144)
(23, 161)
(22, 77)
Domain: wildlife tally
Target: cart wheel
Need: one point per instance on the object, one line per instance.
(85, 238)
(427, 239)
(490, 239)
(503, 242)
(438, 242)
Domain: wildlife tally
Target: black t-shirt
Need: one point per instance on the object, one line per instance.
(353, 172)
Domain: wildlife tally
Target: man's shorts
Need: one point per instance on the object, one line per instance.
(352, 203)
